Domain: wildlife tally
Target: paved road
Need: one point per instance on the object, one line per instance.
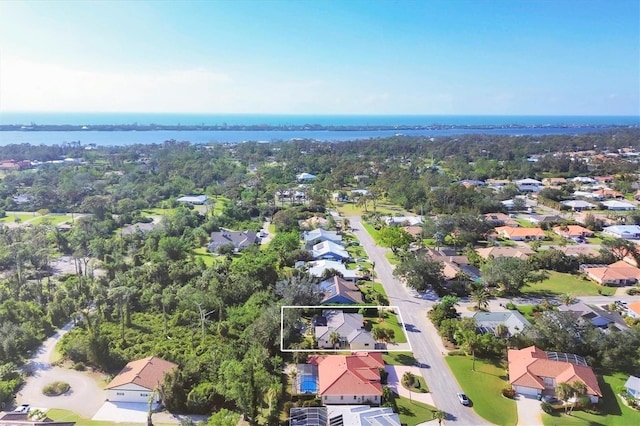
(85, 396)
(426, 344)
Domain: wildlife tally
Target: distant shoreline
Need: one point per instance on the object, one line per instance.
(294, 128)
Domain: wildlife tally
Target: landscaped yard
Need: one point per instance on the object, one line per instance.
(53, 219)
(21, 216)
(614, 411)
(413, 413)
(390, 321)
(483, 387)
(559, 283)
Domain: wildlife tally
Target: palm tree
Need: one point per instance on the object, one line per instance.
(481, 297)
(564, 391)
(567, 299)
(439, 415)
(469, 342)
(502, 331)
(334, 339)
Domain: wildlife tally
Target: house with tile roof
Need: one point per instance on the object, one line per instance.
(616, 274)
(339, 290)
(349, 379)
(138, 379)
(500, 219)
(573, 231)
(533, 372)
(520, 234)
(503, 251)
(633, 309)
(349, 326)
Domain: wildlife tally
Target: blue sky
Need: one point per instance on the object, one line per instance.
(554, 57)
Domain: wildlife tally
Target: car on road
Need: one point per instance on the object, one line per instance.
(24, 408)
(463, 398)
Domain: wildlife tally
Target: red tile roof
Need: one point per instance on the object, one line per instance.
(355, 374)
(528, 366)
(147, 372)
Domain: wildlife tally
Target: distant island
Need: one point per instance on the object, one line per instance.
(303, 127)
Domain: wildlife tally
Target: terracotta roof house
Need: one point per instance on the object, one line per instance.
(603, 179)
(554, 181)
(487, 322)
(633, 309)
(616, 274)
(577, 250)
(533, 371)
(628, 232)
(500, 219)
(239, 239)
(520, 234)
(349, 326)
(338, 290)
(608, 193)
(414, 230)
(502, 251)
(138, 379)
(349, 379)
(573, 231)
(453, 266)
(595, 315)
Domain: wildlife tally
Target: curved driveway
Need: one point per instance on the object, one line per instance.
(85, 396)
(426, 344)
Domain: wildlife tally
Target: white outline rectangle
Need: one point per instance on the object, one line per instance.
(396, 310)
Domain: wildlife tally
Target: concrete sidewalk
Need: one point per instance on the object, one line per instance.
(393, 381)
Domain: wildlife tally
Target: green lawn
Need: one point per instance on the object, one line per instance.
(389, 322)
(484, 387)
(53, 219)
(371, 230)
(420, 389)
(391, 258)
(22, 216)
(350, 209)
(560, 283)
(202, 253)
(69, 416)
(159, 211)
(614, 411)
(525, 223)
(413, 413)
(526, 311)
(399, 358)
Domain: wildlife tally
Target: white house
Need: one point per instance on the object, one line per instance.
(528, 185)
(403, 220)
(137, 381)
(348, 325)
(304, 177)
(632, 385)
(329, 250)
(318, 268)
(193, 199)
(618, 205)
(629, 232)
